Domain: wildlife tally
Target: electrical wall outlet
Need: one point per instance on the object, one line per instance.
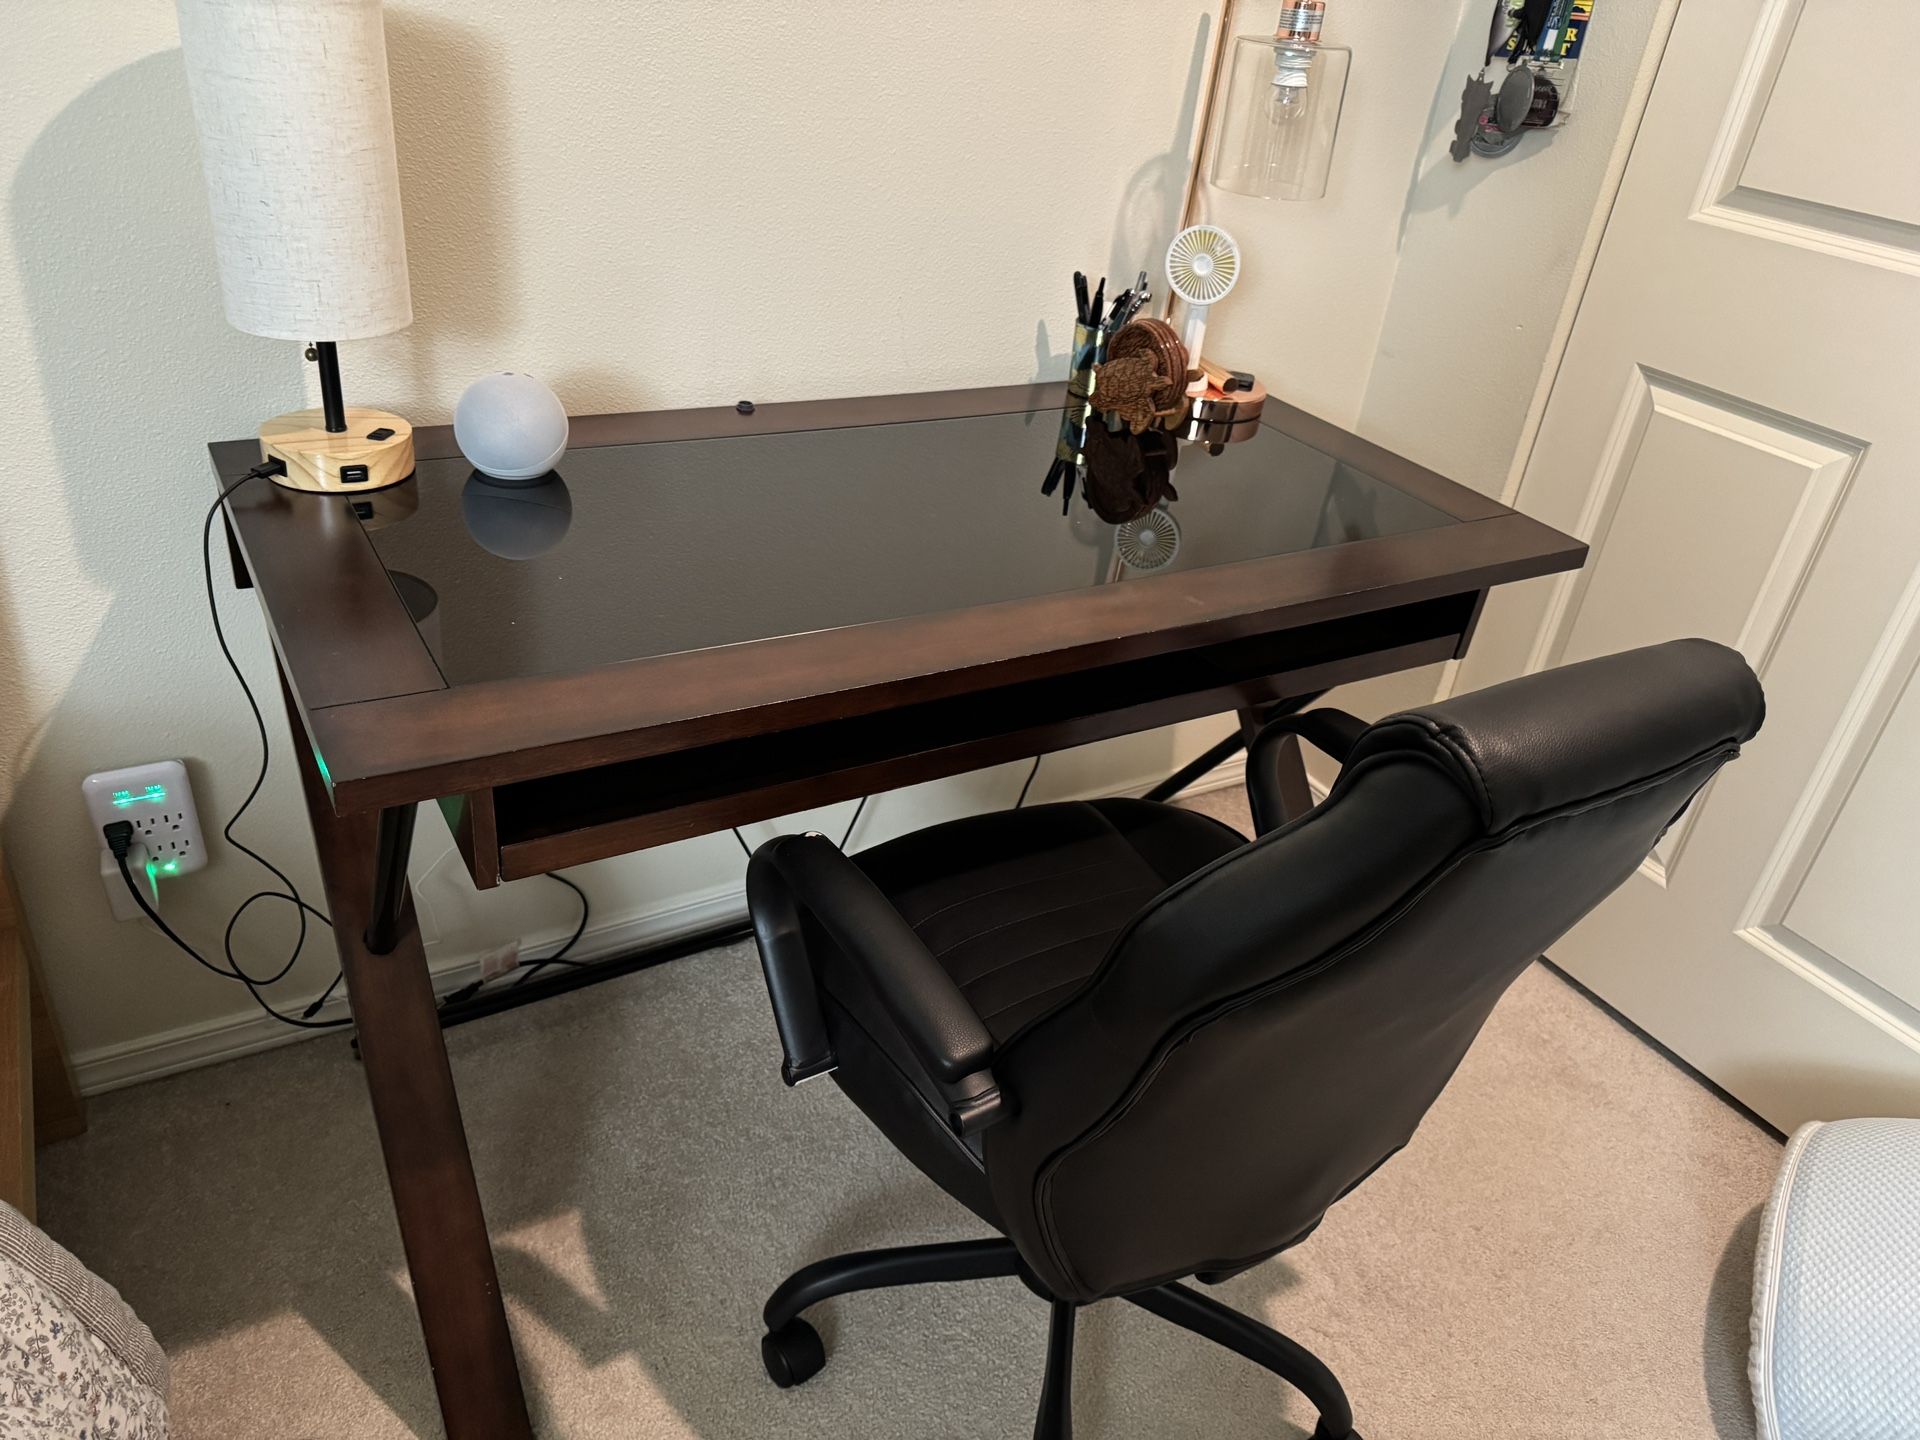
(158, 802)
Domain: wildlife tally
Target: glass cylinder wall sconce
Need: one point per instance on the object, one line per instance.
(1284, 91)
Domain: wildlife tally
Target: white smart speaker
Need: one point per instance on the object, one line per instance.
(510, 426)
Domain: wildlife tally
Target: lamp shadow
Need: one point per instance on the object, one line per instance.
(446, 92)
(137, 370)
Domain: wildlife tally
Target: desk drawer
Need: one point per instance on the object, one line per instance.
(535, 826)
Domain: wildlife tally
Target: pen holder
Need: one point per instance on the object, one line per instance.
(1069, 451)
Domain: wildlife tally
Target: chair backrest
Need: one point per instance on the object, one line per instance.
(1266, 1033)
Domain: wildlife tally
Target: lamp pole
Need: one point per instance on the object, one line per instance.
(332, 405)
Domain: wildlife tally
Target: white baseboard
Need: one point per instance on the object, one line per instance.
(1229, 773)
(208, 1042)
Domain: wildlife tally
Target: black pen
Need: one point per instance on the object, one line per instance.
(1080, 295)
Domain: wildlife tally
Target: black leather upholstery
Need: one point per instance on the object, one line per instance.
(1549, 741)
(1019, 907)
(1198, 1045)
(1333, 732)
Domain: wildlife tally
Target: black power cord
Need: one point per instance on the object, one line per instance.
(1021, 802)
(747, 850)
(846, 835)
(120, 841)
(289, 893)
(559, 957)
(456, 998)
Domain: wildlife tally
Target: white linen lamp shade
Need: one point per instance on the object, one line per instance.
(296, 140)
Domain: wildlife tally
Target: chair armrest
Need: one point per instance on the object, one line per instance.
(796, 876)
(1333, 731)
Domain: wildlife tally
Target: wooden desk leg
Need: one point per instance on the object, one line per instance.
(417, 1112)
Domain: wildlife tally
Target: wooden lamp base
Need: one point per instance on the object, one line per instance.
(373, 452)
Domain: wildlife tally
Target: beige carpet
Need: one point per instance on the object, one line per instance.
(1562, 1252)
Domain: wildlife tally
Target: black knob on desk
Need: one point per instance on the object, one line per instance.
(745, 407)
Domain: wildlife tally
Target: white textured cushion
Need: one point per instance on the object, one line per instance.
(1836, 1286)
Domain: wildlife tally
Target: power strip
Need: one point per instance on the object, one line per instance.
(157, 801)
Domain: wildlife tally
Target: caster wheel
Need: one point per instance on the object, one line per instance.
(792, 1354)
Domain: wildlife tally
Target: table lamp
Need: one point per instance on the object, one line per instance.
(296, 138)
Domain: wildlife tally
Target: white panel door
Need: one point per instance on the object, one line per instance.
(1736, 432)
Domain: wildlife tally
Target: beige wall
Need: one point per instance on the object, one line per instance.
(1489, 258)
(571, 177)
(1488, 250)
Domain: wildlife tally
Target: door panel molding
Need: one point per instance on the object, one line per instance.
(1707, 434)
(1829, 459)
(1726, 200)
(1763, 925)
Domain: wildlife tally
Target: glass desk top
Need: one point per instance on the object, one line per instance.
(640, 550)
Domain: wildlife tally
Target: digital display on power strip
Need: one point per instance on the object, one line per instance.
(152, 795)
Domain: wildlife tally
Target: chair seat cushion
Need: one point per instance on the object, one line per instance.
(1836, 1294)
(1021, 906)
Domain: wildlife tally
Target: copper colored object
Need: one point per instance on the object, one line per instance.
(1223, 417)
(1301, 20)
(1229, 407)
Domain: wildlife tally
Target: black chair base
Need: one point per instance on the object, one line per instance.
(793, 1354)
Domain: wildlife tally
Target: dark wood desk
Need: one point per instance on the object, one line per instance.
(718, 618)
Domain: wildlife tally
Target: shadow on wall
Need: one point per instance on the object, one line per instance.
(1146, 217)
(138, 368)
(447, 91)
(1438, 181)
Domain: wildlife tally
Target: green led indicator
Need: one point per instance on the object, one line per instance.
(156, 792)
(155, 869)
(321, 761)
(153, 793)
(122, 798)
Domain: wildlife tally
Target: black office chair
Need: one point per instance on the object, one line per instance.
(1143, 1049)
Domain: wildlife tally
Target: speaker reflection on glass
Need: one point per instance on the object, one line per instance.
(517, 519)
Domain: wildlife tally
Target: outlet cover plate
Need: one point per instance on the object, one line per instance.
(158, 802)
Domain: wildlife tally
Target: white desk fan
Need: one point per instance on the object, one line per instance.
(1203, 265)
